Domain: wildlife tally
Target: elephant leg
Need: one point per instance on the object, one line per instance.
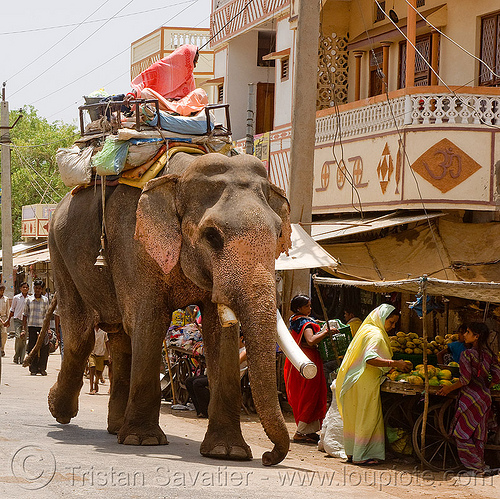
(78, 343)
(141, 420)
(223, 439)
(121, 356)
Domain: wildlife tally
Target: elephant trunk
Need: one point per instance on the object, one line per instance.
(257, 314)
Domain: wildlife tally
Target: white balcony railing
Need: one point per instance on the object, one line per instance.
(416, 109)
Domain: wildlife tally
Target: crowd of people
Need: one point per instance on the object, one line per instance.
(356, 403)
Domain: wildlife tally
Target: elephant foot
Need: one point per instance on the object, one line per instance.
(141, 436)
(61, 406)
(223, 447)
(114, 426)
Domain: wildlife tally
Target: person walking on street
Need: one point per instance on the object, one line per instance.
(4, 315)
(16, 311)
(35, 308)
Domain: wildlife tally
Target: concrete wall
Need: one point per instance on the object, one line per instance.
(242, 69)
(283, 92)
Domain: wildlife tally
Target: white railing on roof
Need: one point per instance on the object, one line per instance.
(178, 38)
(417, 109)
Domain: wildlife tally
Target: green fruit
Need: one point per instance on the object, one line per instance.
(433, 382)
(444, 374)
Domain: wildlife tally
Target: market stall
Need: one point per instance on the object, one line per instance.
(429, 428)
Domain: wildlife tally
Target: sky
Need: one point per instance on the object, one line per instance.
(55, 52)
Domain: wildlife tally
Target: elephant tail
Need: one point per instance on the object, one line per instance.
(43, 332)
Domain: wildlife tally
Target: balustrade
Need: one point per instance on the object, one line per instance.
(418, 109)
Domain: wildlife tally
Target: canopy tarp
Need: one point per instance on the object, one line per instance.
(33, 257)
(482, 291)
(449, 250)
(305, 253)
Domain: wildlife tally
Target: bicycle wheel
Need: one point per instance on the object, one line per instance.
(181, 371)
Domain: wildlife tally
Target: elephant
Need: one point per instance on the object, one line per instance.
(206, 232)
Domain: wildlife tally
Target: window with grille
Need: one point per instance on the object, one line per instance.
(422, 64)
(420, 3)
(490, 50)
(379, 11)
(376, 75)
(285, 68)
(220, 94)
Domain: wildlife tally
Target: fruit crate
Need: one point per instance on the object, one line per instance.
(335, 346)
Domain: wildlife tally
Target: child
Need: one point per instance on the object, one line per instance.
(454, 349)
(96, 359)
(469, 424)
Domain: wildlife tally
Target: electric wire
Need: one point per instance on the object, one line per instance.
(401, 141)
(70, 52)
(452, 41)
(27, 163)
(109, 60)
(338, 133)
(228, 22)
(93, 21)
(466, 104)
(58, 42)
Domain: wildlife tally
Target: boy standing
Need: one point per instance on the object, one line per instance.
(4, 315)
(35, 308)
(96, 359)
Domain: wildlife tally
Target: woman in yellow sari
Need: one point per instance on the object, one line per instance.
(368, 357)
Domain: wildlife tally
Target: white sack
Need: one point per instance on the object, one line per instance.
(332, 432)
(74, 165)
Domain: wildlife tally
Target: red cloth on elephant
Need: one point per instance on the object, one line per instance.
(172, 77)
(307, 397)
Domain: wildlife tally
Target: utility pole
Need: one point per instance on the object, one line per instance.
(303, 133)
(7, 260)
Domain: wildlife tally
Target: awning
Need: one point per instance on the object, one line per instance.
(31, 258)
(304, 253)
(481, 291)
(346, 227)
(24, 247)
(451, 251)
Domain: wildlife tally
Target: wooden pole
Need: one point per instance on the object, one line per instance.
(174, 401)
(435, 57)
(426, 370)
(358, 54)
(412, 38)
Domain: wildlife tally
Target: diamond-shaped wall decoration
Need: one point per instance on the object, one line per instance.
(385, 168)
(445, 165)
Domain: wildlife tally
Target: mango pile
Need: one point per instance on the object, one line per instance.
(437, 377)
(411, 343)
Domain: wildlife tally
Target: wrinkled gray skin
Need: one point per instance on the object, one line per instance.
(207, 233)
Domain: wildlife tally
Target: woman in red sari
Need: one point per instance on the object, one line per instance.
(307, 397)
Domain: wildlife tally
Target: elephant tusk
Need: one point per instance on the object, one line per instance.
(295, 355)
(226, 316)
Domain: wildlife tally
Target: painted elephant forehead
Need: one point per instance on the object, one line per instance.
(210, 165)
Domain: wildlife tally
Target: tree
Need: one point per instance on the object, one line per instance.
(34, 172)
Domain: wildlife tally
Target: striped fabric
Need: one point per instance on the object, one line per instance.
(474, 404)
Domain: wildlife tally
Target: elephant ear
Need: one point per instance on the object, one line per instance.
(157, 225)
(279, 203)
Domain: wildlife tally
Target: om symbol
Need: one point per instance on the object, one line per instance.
(451, 163)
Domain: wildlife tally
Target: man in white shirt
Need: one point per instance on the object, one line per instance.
(16, 311)
(4, 315)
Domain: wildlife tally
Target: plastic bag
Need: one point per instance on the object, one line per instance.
(111, 159)
(74, 165)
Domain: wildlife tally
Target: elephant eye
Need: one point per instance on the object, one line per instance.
(214, 238)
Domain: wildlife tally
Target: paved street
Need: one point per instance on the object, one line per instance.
(42, 459)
